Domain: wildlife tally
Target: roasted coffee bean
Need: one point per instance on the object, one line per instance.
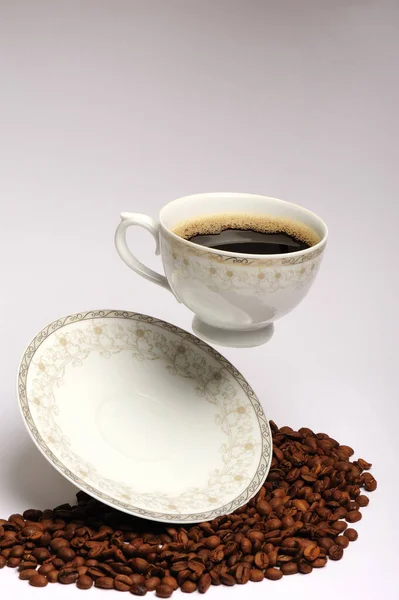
(163, 591)
(351, 534)
(2, 562)
(273, 574)
(289, 568)
(105, 583)
(45, 569)
(68, 575)
(66, 554)
(123, 583)
(17, 552)
(84, 582)
(242, 573)
(311, 552)
(27, 574)
(139, 565)
(353, 516)
(58, 543)
(369, 482)
(188, 587)
(204, 583)
(41, 554)
(38, 580)
(137, 579)
(362, 500)
(13, 562)
(34, 515)
(170, 581)
(256, 575)
(212, 542)
(336, 552)
(261, 560)
(305, 567)
(226, 579)
(151, 584)
(342, 540)
(139, 589)
(52, 577)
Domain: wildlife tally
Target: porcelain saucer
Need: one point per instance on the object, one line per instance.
(144, 416)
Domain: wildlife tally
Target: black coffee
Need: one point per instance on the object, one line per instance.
(246, 241)
(248, 234)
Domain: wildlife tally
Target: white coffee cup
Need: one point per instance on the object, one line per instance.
(235, 297)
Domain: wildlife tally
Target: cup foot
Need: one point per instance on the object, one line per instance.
(230, 337)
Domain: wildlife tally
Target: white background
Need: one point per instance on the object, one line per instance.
(124, 105)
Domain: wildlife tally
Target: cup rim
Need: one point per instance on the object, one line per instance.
(243, 254)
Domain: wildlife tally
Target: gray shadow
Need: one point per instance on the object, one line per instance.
(33, 480)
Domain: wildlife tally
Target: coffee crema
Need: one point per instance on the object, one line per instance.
(248, 234)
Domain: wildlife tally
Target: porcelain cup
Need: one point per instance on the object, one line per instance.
(235, 297)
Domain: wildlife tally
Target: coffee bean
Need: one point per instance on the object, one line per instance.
(204, 583)
(2, 562)
(164, 591)
(68, 575)
(289, 568)
(263, 508)
(188, 587)
(226, 579)
(342, 540)
(52, 577)
(66, 554)
(139, 589)
(336, 552)
(38, 580)
(256, 575)
(370, 483)
(27, 574)
(13, 562)
(17, 552)
(137, 579)
(304, 567)
(105, 583)
(261, 560)
(319, 563)
(353, 516)
(123, 583)
(84, 582)
(58, 543)
(171, 581)
(363, 500)
(351, 534)
(311, 552)
(339, 526)
(41, 554)
(139, 565)
(273, 574)
(45, 569)
(33, 515)
(212, 542)
(152, 583)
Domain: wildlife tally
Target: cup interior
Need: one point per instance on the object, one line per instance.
(201, 205)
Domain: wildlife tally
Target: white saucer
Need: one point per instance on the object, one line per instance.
(144, 416)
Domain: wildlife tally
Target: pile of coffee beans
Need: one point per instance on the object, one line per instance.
(297, 521)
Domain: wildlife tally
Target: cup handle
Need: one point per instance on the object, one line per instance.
(128, 220)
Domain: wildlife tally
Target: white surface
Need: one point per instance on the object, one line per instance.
(123, 106)
(142, 416)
